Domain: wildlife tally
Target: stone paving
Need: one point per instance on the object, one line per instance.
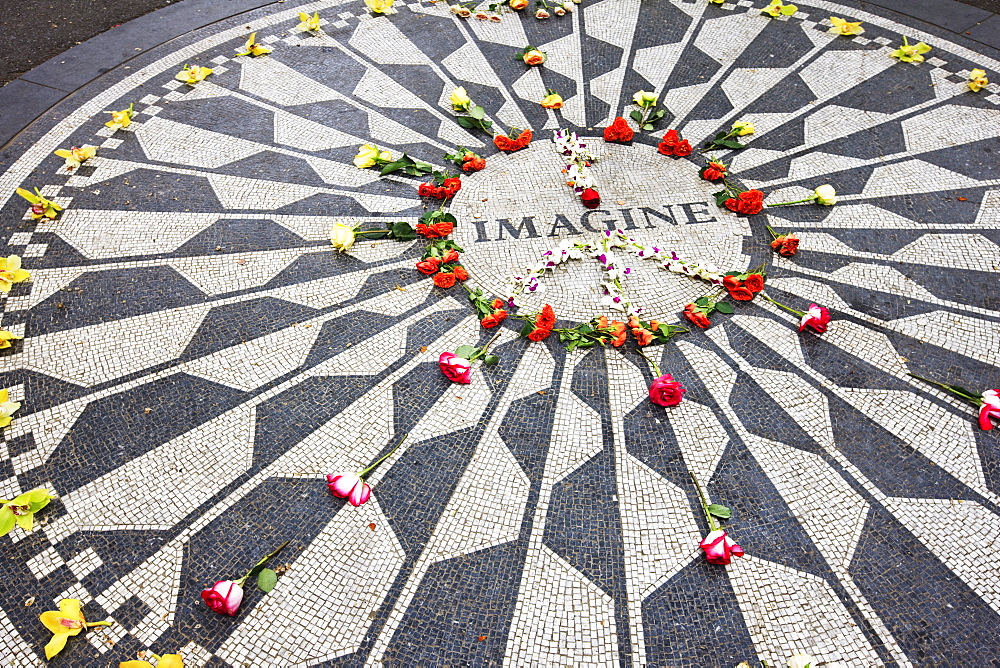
(196, 358)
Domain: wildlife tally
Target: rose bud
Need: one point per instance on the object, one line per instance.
(989, 409)
(559, 11)
(428, 266)
(590, 198)
(720, 548)
(517, 5)
(456, 369)
(741, 294)
(224, 597)
(450, 256)
(541, 14)
(665, 391)
(817, 317)
(787, 245)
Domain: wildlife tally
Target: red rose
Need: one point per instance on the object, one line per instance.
(539, 334)
(590, 198)
(665, 391)
(731, 282)
(443, 229)
(671, 137)
(445, 279)
(786, 245)
(683, 148)
(460, 273)
(642, 336)
(450, 256)
(665, 148)
(454, 183)
(755, 282)
(504, 143)
(749, 202)
(619, 130)
(523, 139)
(474, 165)
(697, 317)
(426, 190)
(428, 266)
(497, 303)
(493, 319)
(714, 171)
(456, 369)
(741, 294)
(547, 318)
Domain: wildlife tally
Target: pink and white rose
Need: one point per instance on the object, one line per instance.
(349, 486)
(224, 597)
(720, 548)
(989, 409)
(817, 318)
(456, 369)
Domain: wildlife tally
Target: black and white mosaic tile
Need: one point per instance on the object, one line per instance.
(196, 358)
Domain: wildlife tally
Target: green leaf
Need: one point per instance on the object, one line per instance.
(406, 160)
(402, 231)
(720, 135)
(636, 116)
(477, 112)
(701, 301)
(730, 143)
(720, 511)
(6, 521)
(724, 307)
(392, 167)
(466, 122)
(647, 126)
(266, 579)
(721, 197)
(586, 343)
(527, 329)
(585, 329)
(486, 125)
(466, 351)
(375, 234)
(490, 360)
(656, 115)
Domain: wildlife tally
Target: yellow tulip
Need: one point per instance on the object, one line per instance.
(842, 27)
(67, 622)
(552, 101)
(743, 128)
(308, 23)
(11, 272)
(342, 237)
(978, 80)
(76, 156)
(460, 99)
(120, 119)
(252, 48)
(6, 337)
(380, 6)
(192, 75)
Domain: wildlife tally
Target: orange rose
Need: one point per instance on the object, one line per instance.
(533, 57)
(460, 273)
(444, 279)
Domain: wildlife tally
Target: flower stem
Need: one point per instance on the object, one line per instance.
(774, 235)
(787, 308)
(704, 503)
(656, 367)
(381, 459)
(261, 563)
(968, 397)
(798, 201)
(104, 623)
(482, 351)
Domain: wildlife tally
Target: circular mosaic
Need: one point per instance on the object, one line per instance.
(196, 358)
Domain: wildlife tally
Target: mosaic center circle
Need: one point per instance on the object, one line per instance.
(520, 207)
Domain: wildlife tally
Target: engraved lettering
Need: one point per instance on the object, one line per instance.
(562, 223)
(610, 223)
(480, 231)
(527, 224)
(692, 214)
(662, 216)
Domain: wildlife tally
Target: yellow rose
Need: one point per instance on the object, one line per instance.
(534, 57)
(826, 195)
(518, 5)
(369, 155)
(552, 101)
(743, 128)
(342, 237)
(644, 99)
(978, 80)
(460, 100)
(842, 27)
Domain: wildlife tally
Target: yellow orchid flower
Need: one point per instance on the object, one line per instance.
(20, 510)
(381, 6)
(40, 207)
(165, 661)
(67, 622)
(252, 48)
(192, 75)
(370, 155)
(121, 119)
(910, 53)
(978, 80)
(76, 156)
(11, 272)
(777, 8)
(842, 27)
(6, 337)
(308, 23)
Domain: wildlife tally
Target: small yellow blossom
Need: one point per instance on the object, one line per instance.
(192, 75)
(165, 661)
(644, 99)
(460, 99)
(978, 80)
(6, 337)
(11, 272)
(552, 101)
(7, 410)
(76, 156)
(370, 155)
(120, 119)
(842, 27)
(380, 6)
(252, 48)
(308, 23)
(910, 53)
(777, 8)
(20, 511)
(40, 207)
(67, 622)
(743, 128)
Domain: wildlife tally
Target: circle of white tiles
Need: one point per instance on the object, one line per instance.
(196, 359)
